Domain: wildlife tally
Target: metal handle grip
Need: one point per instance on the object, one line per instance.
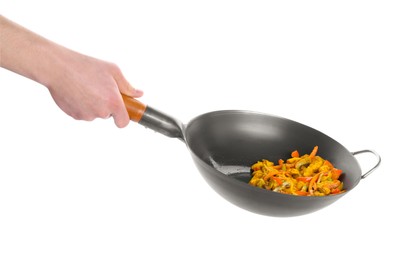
(376, 165)
(153, 119)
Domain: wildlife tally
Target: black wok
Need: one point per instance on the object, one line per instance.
(224, 144)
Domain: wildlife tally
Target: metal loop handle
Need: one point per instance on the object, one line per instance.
(373, 168)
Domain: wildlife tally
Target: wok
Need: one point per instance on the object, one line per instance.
(224, 144)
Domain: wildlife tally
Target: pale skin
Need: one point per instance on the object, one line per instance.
(85, 88)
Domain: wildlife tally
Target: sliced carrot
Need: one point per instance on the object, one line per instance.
(290, 165)
(295, 154)
(337, 191)
(277, 167)
(312, 184)
(301, 193)
(313, 153)
(270, 174)
(328, 163)
(304, 179)
(278, 180)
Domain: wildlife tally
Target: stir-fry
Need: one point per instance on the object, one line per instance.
(307, 175)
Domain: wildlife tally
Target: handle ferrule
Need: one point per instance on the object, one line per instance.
(153, 119)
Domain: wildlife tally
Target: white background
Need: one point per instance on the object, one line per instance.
(88, 190)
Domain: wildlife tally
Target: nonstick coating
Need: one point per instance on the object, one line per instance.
(224, 144)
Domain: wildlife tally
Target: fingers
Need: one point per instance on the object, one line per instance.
(120, 115)
(120, 120)
(125, 87)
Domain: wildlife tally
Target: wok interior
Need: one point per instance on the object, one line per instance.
(231, 141)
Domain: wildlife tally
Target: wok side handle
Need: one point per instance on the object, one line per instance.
(153, 119)
(376, 165)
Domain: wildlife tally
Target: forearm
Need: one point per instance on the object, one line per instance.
(26, 53)
(82, 86)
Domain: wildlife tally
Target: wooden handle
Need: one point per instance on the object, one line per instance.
(134, 107)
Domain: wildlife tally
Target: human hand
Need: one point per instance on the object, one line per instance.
(87, 88)
(83, 87)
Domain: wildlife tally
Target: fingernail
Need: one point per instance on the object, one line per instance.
(139, 92)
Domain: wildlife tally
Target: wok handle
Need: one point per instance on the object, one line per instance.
(135, 108)
(152, 118)
(376, 165)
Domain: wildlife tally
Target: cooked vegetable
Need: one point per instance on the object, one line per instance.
(307, 175)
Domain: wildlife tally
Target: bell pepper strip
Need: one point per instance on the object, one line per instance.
(336, 173)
